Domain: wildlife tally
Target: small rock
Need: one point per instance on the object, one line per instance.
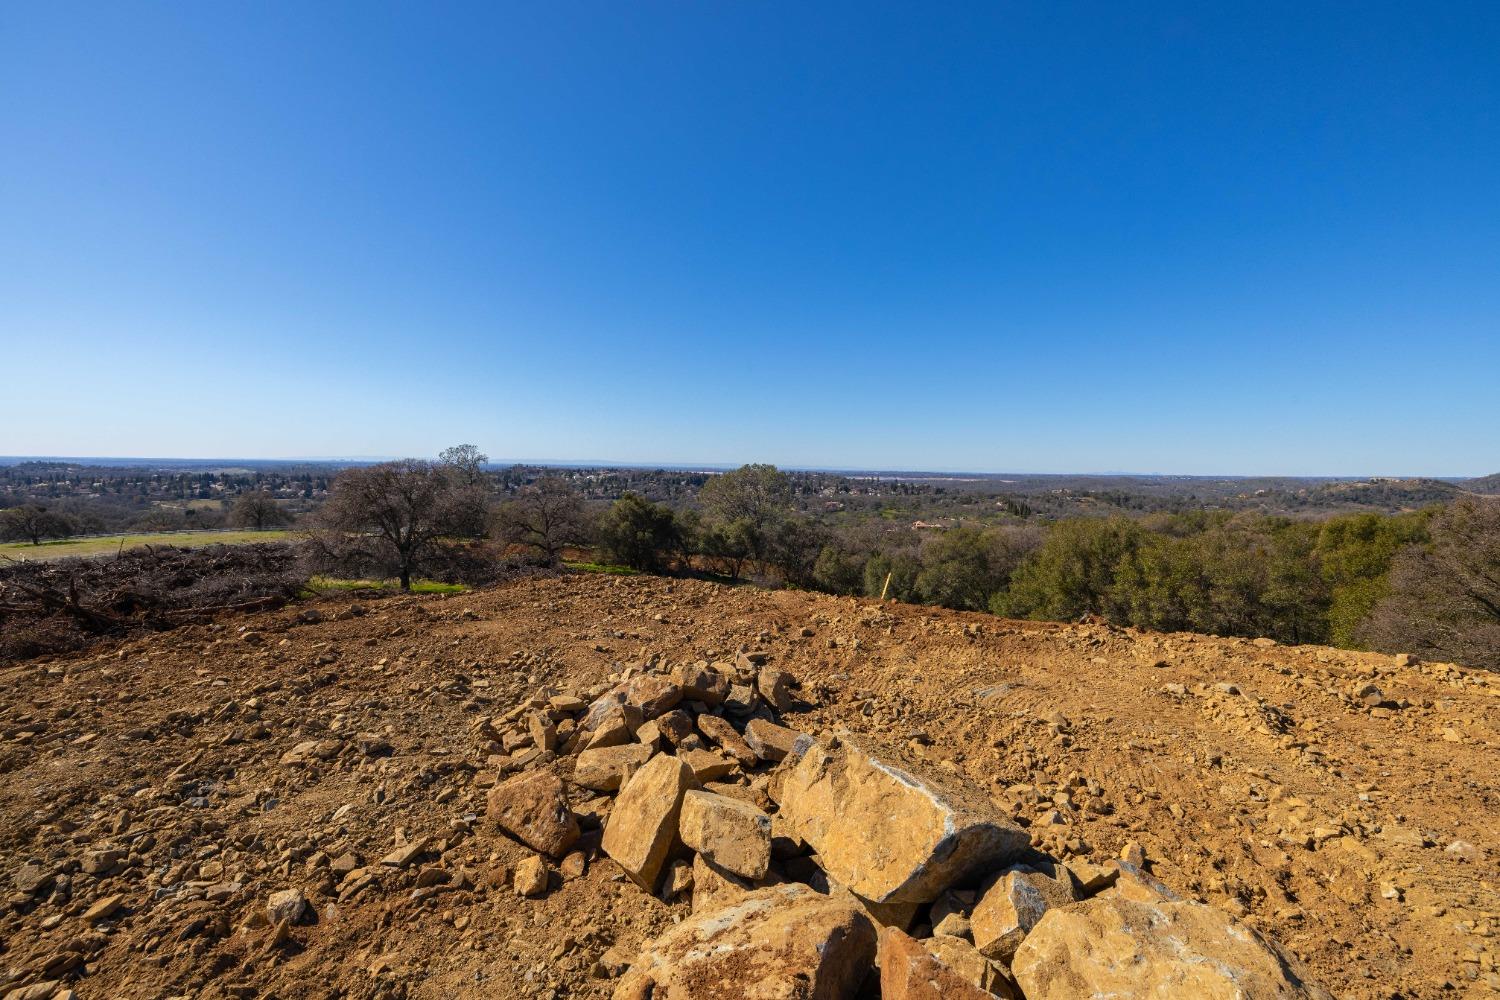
(104, 908)
(531, 877)
(288, 905)
(406, 853)
(572, 866)
(100, 862)
(679, 880)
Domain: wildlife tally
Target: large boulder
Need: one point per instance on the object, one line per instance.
(732, 834)
(643, 824)
(702, 683)
(725, 735)
(1153, 950)
(886, 834)
(785, 942)
(603, 769)
(964, 959)
(911, 971)
(1011, 905)
(533, 808)
(772, 742)
(713, 886)
(652, 694)
(616, 726)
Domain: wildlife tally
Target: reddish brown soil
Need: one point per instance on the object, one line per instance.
(1261, 784)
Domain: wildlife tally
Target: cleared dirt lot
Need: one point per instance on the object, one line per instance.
(1358, 828)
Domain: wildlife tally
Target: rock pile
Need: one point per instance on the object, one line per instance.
(818, 868)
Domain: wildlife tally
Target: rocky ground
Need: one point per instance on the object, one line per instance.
(298, 804)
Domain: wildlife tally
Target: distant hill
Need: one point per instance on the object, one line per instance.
(1392, 494)
(1484, 484)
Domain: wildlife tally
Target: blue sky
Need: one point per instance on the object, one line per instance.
(1196, 238)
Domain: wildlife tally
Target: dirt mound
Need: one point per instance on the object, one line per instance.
(293, 803)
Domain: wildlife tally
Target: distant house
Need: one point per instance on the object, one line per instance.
(928, 526)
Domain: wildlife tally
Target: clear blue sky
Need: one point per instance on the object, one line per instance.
(1205, 238)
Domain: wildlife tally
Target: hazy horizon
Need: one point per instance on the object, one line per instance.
(678, 465)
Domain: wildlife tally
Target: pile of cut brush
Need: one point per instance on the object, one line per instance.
(52, 607)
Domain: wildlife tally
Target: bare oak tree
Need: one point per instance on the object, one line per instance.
(547, 516)
(33, 522)
(466, 462)
(392, 515)
(258, 510)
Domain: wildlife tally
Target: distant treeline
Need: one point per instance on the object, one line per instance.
(1426, 582)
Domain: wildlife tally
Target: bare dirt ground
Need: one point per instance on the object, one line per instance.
(150, 805)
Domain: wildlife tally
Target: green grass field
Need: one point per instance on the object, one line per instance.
(325, 584)
(64, 547)
(593, 567)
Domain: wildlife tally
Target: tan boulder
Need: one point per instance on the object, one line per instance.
(652, 694)
(731, 833)
(702, 683)
(643, 825)
(649, 733)
(1011, 905)
(707, 765)
(908, 971)
(785, 942)
(742, 699)
(602, 769)
(888, 835)
(567, 704)
(615, 727)
(533, 808)
(772, 742)
(718, 730)
(713, 886)
(775, 686)
(1092, 878)
(1114, 946)
(675, 726)
(600, 707)
(543, 731)
(972, 967)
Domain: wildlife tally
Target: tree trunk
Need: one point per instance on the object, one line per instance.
(405, 578)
